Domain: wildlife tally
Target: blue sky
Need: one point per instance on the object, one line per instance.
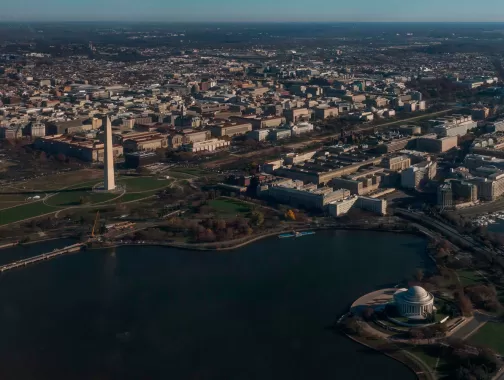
(255, 10)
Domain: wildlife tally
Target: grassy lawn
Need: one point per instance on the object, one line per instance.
(72, 198)
(490, 335)
(192, 171)
(423, 354)
(228, 207)
(59, 181)
(468, 277)
(137, 184)
(24, 212)
(136, 196)
(178, 175)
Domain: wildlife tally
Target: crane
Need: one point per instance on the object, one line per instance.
(97, 218)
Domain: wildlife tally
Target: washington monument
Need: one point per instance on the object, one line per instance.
(109, 180)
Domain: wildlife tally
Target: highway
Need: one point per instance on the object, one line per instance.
(448, 231)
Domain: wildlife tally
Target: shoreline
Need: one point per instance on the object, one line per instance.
(412, 364)
(253, 239)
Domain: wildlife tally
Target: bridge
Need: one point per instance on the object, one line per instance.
(42, 257)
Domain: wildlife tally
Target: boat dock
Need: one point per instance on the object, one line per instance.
(42, 257)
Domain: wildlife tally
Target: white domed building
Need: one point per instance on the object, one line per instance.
(414, 303)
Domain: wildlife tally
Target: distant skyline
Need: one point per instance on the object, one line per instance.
(259, 10)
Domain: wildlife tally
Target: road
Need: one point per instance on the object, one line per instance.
(297, 145)
(497, 205)
(446, 230)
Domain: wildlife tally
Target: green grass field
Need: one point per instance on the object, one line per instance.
(31, 210)
(228, 207)
(71, 199)
(192, 171)
(424, 355)
(468, 277)
(178, 175)
(490, 335)
(135, 196)
(138, 184)
(137, 188)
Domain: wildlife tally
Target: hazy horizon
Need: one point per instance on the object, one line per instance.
(261, 11)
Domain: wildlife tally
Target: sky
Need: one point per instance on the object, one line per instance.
(252, 11)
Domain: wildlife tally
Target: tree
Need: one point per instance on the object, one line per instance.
(368, 314)
(142, 171)
(464, 304)
(416, 334)
(352, 326)
(61, 157)
(419, 275)
(257, 218)
(290, 215)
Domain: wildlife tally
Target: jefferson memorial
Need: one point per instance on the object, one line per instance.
(414, 303)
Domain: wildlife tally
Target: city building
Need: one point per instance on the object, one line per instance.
(463, 191)
(434, 145)
(261, 122)
(205, 146)
(280, 134)
(474, 161)
(37, 130)
(301, 128)
(410, 129)
(445, 196)
(397, 163)
(490, 187)
(294, 114)
(414, 303)
(144, 141)
(11, 132)
(454, 125)
(231, 130)
(362, 182)
(137, 159)
(480, 113)
(496, 126)
(415, 176)
(343, 206)
(259, 134)
(90, 150)
(297, 194)
(322, 112)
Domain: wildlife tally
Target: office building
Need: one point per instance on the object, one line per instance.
(445, 196)
(341, 207)
(434, 145)
(230, 130)
(205, 146)
(397, 163)
(296, 194)
(415, 176)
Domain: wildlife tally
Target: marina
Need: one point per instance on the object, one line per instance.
(488, 219)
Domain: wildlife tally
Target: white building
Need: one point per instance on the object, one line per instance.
(259, 134)
(301, 128)
(412, 177)
(208, 145)
(339, 208)
(414, 303)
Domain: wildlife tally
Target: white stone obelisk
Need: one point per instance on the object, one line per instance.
(109, 180)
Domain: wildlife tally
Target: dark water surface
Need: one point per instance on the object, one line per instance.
(260, 312)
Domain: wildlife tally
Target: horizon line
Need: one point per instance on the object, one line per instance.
(257, 21)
